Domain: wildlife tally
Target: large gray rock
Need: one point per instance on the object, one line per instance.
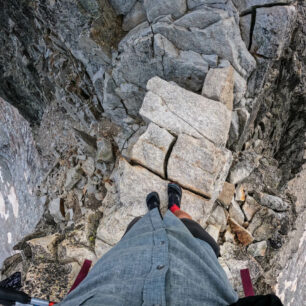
(181, 111)
(245, 6)
(187, 68)
(125, 200)
(221, 38)
(272, 28)
(198, 165)
(219, 85)
(157, 8)
(136, 16)
(272, 202)
(151, 149)
(122, 7)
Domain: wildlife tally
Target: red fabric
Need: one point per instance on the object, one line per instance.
(246, 282)
(82, 274)
(174, 208)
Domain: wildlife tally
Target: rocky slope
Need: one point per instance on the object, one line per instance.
(115, 95)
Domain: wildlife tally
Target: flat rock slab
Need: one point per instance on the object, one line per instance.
(219, 85)
(272, 29)
(151, 149)
(126, 199)
(196, 164)
(245, 6)
(182, 111)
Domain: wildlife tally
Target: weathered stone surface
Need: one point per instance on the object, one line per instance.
(218, 218)
(211, 59)
(57, 210)
(244, 236)
(156, 8)
(240, 194)
(151, 149)
(44, 248)
(201, 18)
(125, 200)
(68, 252)
(201, 164)
(195, 3)
(229, 236)
(221, 38)
(219, 85)
(213, 231)
(273, 25)
(88, 166)
(245, 28)
(245, 6)
(272, 202)
(258, 249)
(180, 111)
(73, 177)
(236, 213)
(264, 224)
(136, 16)
(122, 7)
(105, 150)
(227, 194)
(250, 207)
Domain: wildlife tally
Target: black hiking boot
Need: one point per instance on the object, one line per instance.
(153, 200)
(174, 195)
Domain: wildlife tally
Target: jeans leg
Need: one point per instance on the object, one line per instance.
(198, 232)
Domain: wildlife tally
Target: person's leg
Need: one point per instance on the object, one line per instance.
(174, 198)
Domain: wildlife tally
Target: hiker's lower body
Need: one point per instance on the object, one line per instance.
(174, 205)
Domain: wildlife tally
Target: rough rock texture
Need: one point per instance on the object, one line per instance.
(79, 79)
(188, 113)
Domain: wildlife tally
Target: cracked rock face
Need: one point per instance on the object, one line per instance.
(111, 92)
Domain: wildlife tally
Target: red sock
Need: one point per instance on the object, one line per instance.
(174, 208)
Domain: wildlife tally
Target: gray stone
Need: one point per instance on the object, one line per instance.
(219, 85)
(250, 207)
(221, 38)
(122, 7)
(272, 28)
(105, 150)
(258, 249)
(73, 176)
(218, 217)
(229, 236)
(158, 8)
(56, 210)
(201, 164)
(272, 202)
(181, 111)
(245, 28)
(245, 6)
(136, 16)
(211, 59)
(195, 3)
(151, 149)
(213, 231)
(242, 170)
(88, 166)
(227, 194)
(44, 247)
(201, 18)
(125, 200)
(236, 213)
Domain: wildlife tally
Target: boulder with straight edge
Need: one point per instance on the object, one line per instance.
(219, 85)
(182, 111)
(227, 194)
(197, 164)
(151, 149)
(244, 236)
(213, 231)
(236, 213)
(136, 16)
(245, 6)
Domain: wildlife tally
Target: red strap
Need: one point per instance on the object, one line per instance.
(82, 274)
(246, 282)
(174, 208)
